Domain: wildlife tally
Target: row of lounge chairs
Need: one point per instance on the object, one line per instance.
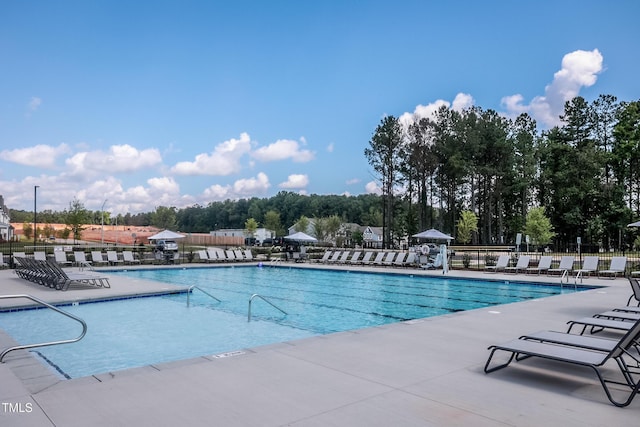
(80, 258)
(589, 266)
(221, 255)
(392, 258)
(51, 275)
(586, 350)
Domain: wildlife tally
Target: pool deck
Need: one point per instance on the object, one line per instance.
(427, 372)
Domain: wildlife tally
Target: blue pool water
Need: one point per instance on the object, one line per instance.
(142, 331)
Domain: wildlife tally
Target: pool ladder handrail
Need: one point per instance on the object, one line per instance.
(265, 300)
(44, 344)
(565, 273)
(192, 287)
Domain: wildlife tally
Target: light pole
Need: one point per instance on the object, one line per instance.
(35, 215)
(102, 223)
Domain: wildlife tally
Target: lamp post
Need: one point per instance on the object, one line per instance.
(35, 215)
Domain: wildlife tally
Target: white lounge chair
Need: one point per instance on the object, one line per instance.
(334, 258)
(237, 253)
(231, 256)
(501, 264)
(355, 258)
(343, 258)
(399, 261)
(2, 263)
(112, 257)
(248, 255)
(589, 265)
(61, 258)
(378, 259)
(127, 257)
(521, 265)
(618, 265)
(410, 260)
(388, 259)
(40, 256)
(366, 259)
(543, 265)
(566, 265)
(80, 259)
(325, 256)
(98, 258)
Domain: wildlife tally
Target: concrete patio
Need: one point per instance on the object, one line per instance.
(426, 372)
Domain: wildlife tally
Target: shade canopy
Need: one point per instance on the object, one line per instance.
(433, 234)
(300, 237)
(166, 234)
(634, 224)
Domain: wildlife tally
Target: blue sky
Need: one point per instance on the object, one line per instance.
(176, 103)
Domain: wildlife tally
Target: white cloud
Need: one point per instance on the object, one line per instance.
(119, 158)
(284, 149)
(579, 69)
(42, 156)
(352, 181)
(330, 147)
(34, 104)
(372, 188)
(295, 181)
(224, 160)
(460, 102)
(241, 188)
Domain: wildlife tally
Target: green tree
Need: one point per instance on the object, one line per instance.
(272, 222)
(334, 222)
(538, 226)
(75, 219)
(385, 155)
(164, 217)
(27, 230)
(320, 228)
(467, 225)
(302, 224)
(250, 227)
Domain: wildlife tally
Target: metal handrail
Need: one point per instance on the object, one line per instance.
(265, 300)
(191, 288)
(44, 344)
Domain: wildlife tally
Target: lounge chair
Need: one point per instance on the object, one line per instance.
(355, 258)
(399, 261)
(325, 256)
(388, 259)
(127, 257)
(40, 255)
(410, 260)
(97, 258)
(231, 256)
(2, 263)
(521, 349)
(543, 265)
(343, 258)
(112, 257)
(61, 258)
(566, 265)
(334, 257)
(248, 255)
(521, 265)
(238, 255)
(501, 264)
(378, 259)
(203, 256)
(618, 265)
(80, 259)
(212, 255)
(589, 265)
(366, 259)
(635, 291)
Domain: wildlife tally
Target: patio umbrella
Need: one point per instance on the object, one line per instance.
(634, 224)
(166, 234)
(301, 237)
(433, 234)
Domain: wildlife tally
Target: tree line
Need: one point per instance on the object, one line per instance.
(585, 173)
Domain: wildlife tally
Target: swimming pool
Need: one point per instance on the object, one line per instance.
(144, 331)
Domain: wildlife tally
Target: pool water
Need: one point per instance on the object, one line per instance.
(142, 331)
